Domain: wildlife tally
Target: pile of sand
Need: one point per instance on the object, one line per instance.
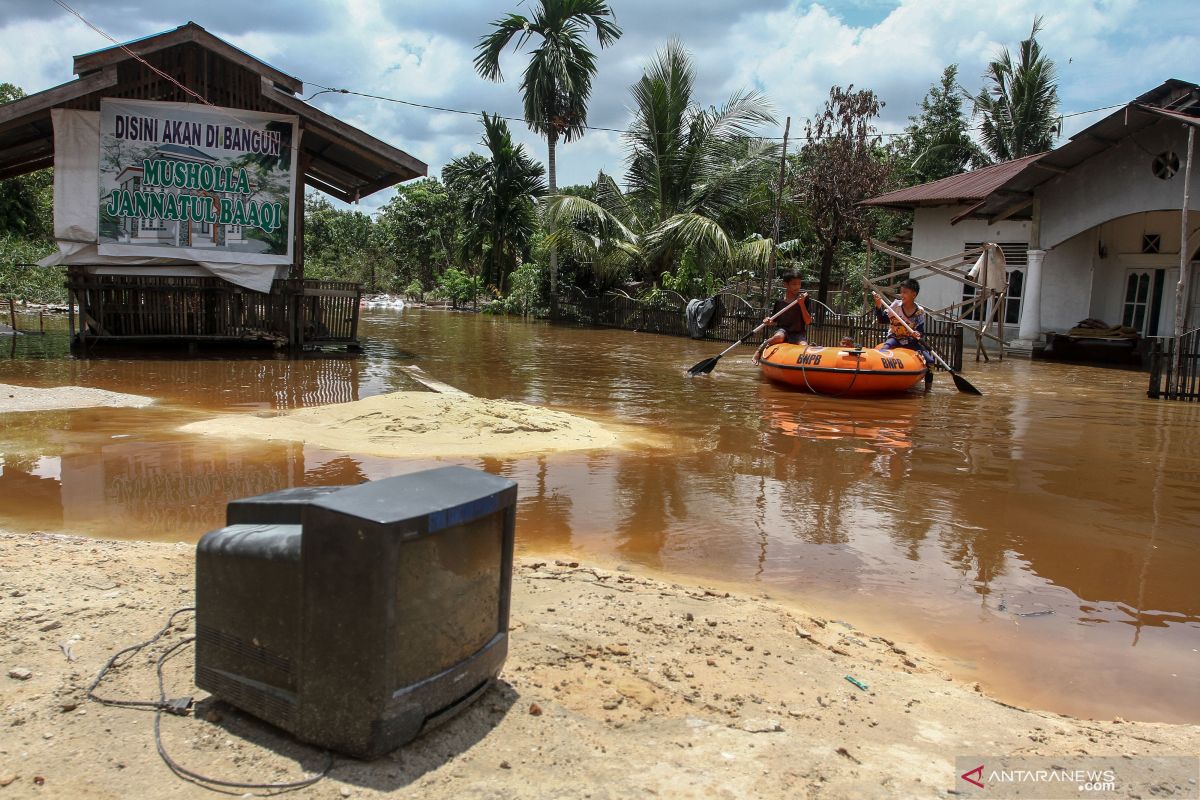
(419, 424)
(29, 398)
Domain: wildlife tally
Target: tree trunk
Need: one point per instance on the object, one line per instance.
(551, 140)
(826, 275)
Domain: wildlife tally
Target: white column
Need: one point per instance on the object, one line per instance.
(1031, 299)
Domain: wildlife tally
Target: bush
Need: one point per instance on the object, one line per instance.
(30, 284)
(459, 287)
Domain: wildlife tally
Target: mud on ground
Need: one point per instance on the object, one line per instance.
(618, 684)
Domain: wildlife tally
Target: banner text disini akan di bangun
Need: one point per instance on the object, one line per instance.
(196, 182)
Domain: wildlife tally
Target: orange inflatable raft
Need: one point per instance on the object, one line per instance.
(843, 371)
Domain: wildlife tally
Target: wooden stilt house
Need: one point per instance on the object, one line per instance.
(180, 169)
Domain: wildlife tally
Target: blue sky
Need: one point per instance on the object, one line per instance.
(1107, 52)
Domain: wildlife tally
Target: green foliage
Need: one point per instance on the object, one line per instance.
(840, 164)
(1019, 102)
(938, 144)
(414, 291)
(26, 201)
(558, 80)
(344, 245)
(693, 172)
(524, 295)
(692, 278)
(459, 287)
(496, 202)
(31, 284)
(419, 231)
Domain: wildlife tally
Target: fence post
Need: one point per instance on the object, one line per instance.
(1155, 372)
(1171, 345)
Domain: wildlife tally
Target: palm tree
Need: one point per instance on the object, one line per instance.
(691, 170)
(558, 79)
(496, 198)
(1019, 102)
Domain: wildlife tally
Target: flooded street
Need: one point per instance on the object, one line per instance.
(1044, 538)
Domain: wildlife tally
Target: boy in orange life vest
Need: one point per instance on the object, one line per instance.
(792, 325)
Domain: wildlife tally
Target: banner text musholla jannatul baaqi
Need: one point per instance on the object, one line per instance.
(194, 181)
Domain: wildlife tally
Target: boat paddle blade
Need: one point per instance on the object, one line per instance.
(963, 385)
(704, 367)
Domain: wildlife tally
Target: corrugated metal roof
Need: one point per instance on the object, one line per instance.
(1090, 142)
(1186, 119)
(993, 190)
(969, 187)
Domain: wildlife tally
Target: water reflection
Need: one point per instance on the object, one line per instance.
(942, 517)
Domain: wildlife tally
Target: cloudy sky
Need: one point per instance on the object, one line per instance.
(1107, 52)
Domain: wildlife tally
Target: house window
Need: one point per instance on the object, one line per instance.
(1143, 300)
(1016, 258)
(1151, 242)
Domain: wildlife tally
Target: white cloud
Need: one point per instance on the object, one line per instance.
(1107, 51)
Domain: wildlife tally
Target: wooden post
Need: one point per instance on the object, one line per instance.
(302, 162)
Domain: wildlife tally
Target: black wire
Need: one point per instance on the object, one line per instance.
(180, 707)
(327, 89)
(91, 690)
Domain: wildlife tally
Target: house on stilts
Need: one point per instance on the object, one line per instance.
(180, 165)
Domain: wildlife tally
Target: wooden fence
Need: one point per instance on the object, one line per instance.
(1169, 380)
(159, 307)
(739, 317)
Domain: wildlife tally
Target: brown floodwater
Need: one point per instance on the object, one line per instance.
(940, 518)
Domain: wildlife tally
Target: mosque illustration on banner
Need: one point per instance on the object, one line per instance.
(183, 233)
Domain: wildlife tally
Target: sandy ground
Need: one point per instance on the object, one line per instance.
(617, 685)
(29, 398)
(419, 424)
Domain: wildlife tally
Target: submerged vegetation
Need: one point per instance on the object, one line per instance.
(694, 211)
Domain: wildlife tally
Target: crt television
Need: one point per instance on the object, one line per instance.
(358, 617)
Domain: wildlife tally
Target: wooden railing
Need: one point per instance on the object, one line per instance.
(1175, 367)
(160, 307)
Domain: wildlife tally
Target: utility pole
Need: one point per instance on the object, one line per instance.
(1181, 288)
(770, 276)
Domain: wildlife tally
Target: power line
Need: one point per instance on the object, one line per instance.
(445, 109)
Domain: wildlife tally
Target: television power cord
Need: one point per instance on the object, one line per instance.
(181, 706)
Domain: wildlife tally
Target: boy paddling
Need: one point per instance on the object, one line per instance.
(907, 322)
(791, 326)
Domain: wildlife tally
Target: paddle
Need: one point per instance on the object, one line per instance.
(707, 365)
(960, 383)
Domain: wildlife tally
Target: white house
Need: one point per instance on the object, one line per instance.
(1090, 229)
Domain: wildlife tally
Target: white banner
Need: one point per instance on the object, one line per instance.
(207, 184)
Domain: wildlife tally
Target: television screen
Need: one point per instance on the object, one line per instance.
(448, 594)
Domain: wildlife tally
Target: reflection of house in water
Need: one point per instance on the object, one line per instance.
(32, 490)
(170, 232)
(169, 489)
